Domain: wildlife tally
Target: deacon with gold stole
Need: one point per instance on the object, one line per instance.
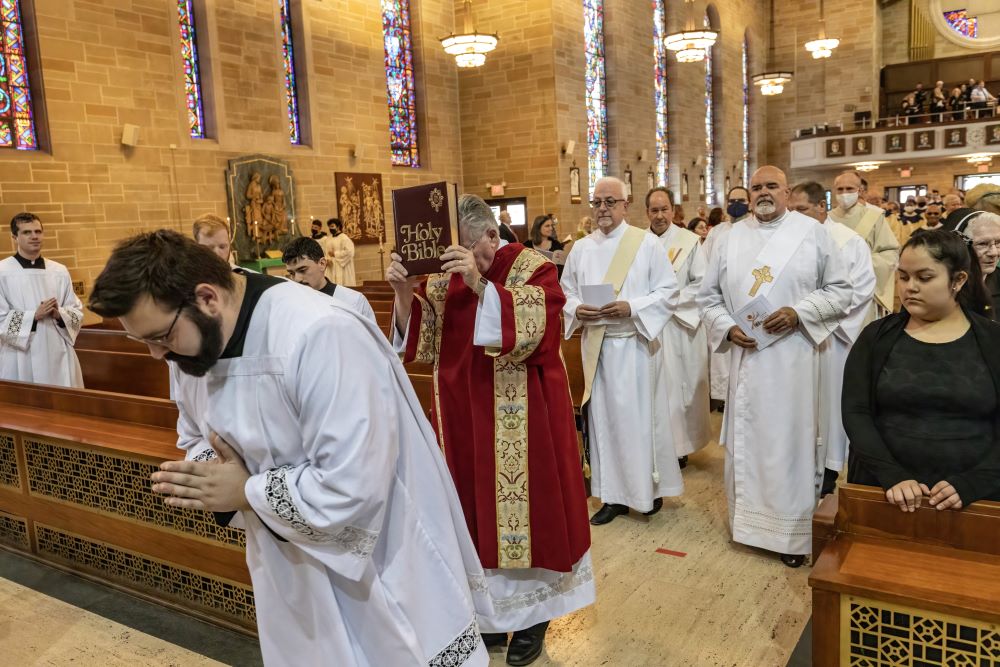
(621, 289)
(869, 223)
(788, 263)
(504, 418)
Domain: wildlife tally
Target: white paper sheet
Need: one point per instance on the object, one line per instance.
(750, 319)
(598, 296)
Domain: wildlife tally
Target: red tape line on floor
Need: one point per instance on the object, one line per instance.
(668, 552)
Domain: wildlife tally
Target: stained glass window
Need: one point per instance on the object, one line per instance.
(960, 21)
(291, 87)
(17, 122)
(192, 73)
(709, 123)
(399, 82)
(597, 108)
(660, 88)
(746, 112)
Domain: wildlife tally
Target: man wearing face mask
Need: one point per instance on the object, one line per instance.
(869, 223)
(632, 458)
(773, 472)
(683, 338)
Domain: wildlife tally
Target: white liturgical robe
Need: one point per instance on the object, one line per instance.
(857, 259)
(686, 345)
(45, 355)
(340, 259)
(632, 456)
(374, 565)
(771, 424)
(718, 362)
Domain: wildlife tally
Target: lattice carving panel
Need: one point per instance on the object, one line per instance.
(14, 531)
(8, 461)
(879, 634)
(221, 596)
(115, 485)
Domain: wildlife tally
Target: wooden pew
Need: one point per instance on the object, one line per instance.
(105, 340)
(895, 588)
(125, 372)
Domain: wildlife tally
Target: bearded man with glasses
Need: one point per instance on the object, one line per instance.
(632, 458)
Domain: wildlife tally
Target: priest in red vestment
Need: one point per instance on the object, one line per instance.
(490, 326)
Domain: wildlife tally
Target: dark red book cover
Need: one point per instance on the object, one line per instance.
(425, 218)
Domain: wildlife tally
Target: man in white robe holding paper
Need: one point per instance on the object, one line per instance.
(632, 458)
(810, 199)
(684, 341)
(356, 543)
(40, 316)
(787, 262)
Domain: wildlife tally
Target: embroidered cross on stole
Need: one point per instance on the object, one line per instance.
(761, 276)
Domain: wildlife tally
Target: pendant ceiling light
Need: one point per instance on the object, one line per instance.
(690, 45)
(470, 47)
(867, 166)
(823, 46)
(772, 82)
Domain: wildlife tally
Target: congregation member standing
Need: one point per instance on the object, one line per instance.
(771, 425)
(356, 544)
(632, 457)
(869, 223)
(684, 341)
(984, 230)
(490, 326)
(920, 388)
(810, 199)
(40, 316)
(340, 255)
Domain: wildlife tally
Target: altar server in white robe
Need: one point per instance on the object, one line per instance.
(771, 425)
(356, 543)
(340, 254)
(810, 199)
(684, 341)
(632, 458)
(40, 316)
(737, 208)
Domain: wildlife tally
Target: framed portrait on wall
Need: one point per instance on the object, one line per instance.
(861, 146)
(574, 185)
(835, 148)
(993, 134)
(895, 143)
(923, 140)
(954, 137)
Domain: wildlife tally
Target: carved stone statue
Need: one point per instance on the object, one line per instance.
(254, 208)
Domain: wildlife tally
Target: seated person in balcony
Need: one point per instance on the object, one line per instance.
(920, 399)
(939, 103)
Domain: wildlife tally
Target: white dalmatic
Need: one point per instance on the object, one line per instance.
(340, 259)
(686, 345)
(857, 258)
(632, 456)
(771, 424)
(374, 565)
(45, 355)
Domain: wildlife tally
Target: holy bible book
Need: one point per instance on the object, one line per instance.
(426, 221)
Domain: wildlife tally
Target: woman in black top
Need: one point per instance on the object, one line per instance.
(920, 395)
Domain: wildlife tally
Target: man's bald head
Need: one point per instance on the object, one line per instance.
(768, 193)
(847, 179)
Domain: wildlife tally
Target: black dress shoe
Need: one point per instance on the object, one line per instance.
(526, 645)
(494, 639)
(657, 506)
(607, 514)
(683, 462)
(793, 560)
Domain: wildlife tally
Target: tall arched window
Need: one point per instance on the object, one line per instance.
(709, 121)
(192, 70)
(597, 111)
(399, 82)
(660, 89)
(746, 112)
(291, 85)
(17, 119)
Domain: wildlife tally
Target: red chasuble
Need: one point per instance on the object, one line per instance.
(504, 417)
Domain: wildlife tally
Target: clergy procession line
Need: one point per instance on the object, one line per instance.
(378, 537)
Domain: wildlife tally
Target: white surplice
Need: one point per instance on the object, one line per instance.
(857, 258)
(340, 259)
(632, 456)
(686, 345)
(718, 362)
(378, 567)
(46, 355)
(771, 423)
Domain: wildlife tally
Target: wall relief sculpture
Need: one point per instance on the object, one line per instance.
(359, 206)
(261, 205)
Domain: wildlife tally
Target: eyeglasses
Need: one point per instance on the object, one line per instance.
(161, 340)
(986, 246)
(609, 202)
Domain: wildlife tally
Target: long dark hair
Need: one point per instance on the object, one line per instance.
(536, 229)
(714, 216)
(955, 251)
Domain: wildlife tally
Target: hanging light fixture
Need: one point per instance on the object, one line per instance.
(470, 47)
(867, 166)
(772, 82)
(691, 45)
(823, 46)
(980, 159)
